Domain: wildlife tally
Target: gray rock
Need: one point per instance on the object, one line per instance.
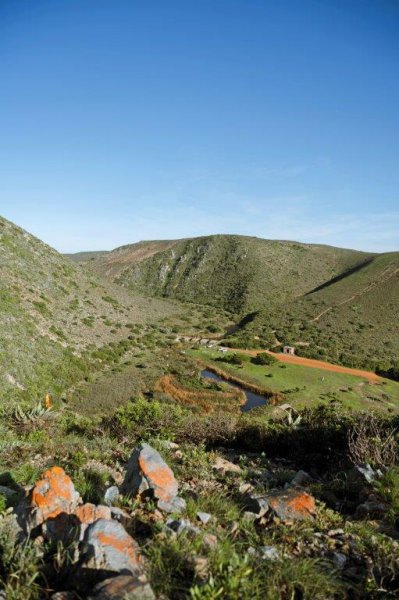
(256, 504)
(178, 526)
(368, 472)
(249, 516)
(147, 471)
(176, 505)
(204, 517)
(339, 560)
(107, 546)
(111, 495)
(269, 553)
(63, 596)
(7, 492)
(301, 478)
(123, 587)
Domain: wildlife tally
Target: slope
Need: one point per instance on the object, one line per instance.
(233, 272)
(52, 312)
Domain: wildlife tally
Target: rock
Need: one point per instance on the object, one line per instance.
(225, 466)
(292, 505)
(210, 540)
(257, 504)
(301, 478)
(52, 495)
(88, 513)
(269, 553)
(111, 495)
(64, 596)
(146, 470)
(249, 516)
(370, 508)
(122, 587)
(169, 445)
(367, 472)
(204, 517)
(176, 505)
(245, 488)
(178, 526)
(7, 492)
(108, 547)
(339, 560)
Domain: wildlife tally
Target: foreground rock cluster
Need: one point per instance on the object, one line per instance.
(107, 562)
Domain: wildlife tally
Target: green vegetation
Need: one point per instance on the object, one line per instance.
(304, 386)
(340, 305)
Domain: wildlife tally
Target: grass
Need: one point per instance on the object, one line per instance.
(304, 386)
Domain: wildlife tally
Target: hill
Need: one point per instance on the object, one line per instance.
(52, 313)
(329, 302)
(233, 272)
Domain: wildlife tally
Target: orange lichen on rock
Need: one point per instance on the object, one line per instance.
(53, 494)
(111, 548)
(88, 513)
(292, 505)
(160, 478)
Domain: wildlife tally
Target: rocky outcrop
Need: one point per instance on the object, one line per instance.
(54, 494)
(147, 474)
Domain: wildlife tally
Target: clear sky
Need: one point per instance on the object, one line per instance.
(123, 120)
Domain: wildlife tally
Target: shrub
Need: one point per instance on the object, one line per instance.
(263, 359)
(372, 441)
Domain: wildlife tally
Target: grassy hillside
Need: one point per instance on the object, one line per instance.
(329, 302)
(233, 272)
(352, 320)
(52, 313)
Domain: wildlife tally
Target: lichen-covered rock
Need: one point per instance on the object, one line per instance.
(146, 470)
(108, 547)
(122, 587)
(292, 505)
(52, 495)
(88, 513)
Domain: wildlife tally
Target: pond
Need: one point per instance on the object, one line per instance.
(253, 399)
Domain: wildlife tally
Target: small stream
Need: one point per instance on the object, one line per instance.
(253, 399)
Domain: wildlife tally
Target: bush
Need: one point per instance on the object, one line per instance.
(263, 359)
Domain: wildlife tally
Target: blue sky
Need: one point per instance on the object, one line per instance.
(123, 120)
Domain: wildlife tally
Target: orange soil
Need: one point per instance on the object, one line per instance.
(315, 364)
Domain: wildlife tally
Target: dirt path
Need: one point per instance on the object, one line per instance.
(314, 364)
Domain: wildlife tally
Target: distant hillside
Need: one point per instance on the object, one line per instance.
(329, 302)
(82, 257)
(51, 311)
(233, 272)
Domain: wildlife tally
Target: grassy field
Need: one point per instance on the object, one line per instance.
(304, 387)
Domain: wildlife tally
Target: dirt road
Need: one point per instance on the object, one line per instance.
(315, 364)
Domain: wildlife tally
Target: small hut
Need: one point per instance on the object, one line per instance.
(288, 350)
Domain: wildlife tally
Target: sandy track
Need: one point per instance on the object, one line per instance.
(315, 364)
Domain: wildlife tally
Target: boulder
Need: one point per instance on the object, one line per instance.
(107, 547)
(292, 505)
(121, 588)
(54, 494)
(225, 466)
(147, 471)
